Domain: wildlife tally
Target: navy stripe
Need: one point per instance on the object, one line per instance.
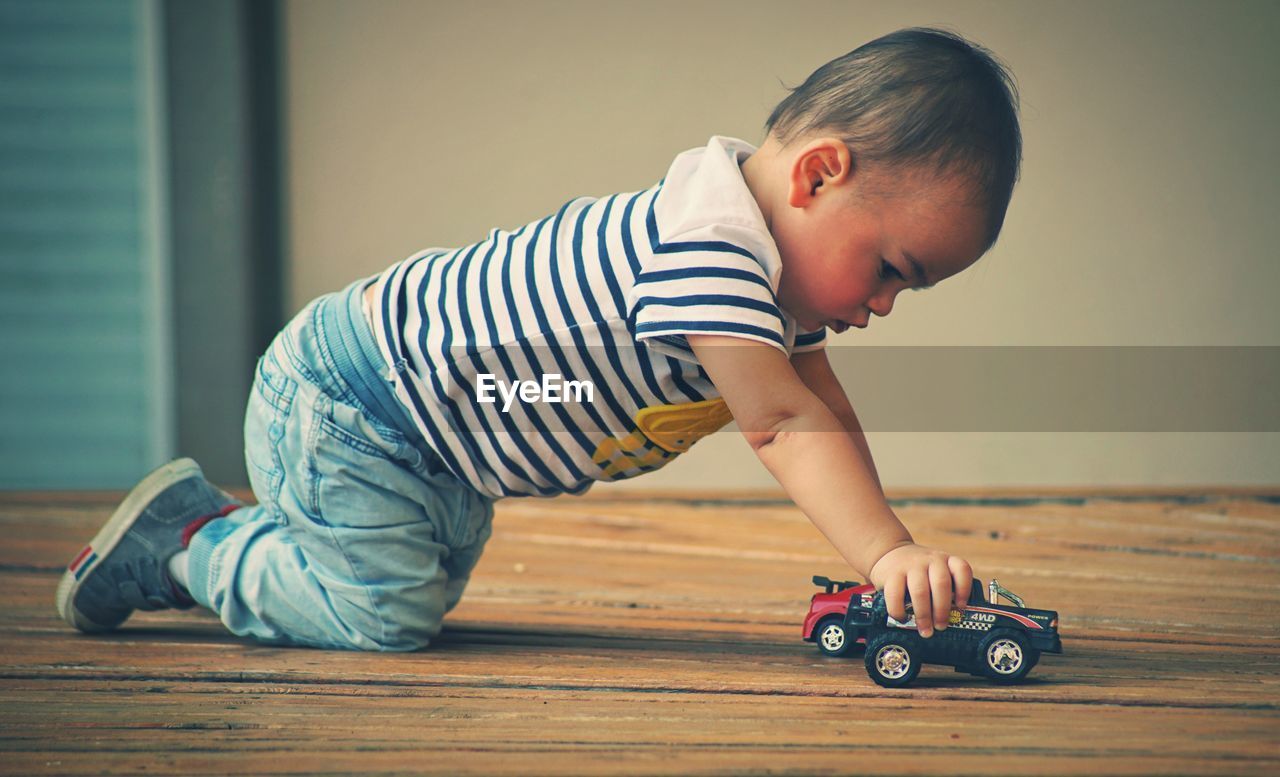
(464, 275)
(698, 374)
(646, 360)
(811, 338)
(659, 247)
(437, 265)
(680, 327)
(698, 273)
(725, 300)
(606, 267)
(403, 302)
(676, 368)
(512, 311)
(710, 246)
(628, 245)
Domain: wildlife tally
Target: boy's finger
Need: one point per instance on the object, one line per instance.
(893, 591)
(962, 573)
(921, 602)
(940, 585)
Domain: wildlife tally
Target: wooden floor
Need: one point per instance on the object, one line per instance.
(661, 635)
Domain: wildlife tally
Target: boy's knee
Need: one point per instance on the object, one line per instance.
(394, 620)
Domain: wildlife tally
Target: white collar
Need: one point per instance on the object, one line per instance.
(713, 194)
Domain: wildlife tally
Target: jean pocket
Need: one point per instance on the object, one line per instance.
(359, 475)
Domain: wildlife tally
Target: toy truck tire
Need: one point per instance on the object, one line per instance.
(892, 659)
(1006, 656)
(832, 638)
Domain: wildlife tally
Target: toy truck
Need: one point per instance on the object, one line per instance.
(1002, 642)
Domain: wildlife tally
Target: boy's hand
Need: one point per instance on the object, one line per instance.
(927, 574)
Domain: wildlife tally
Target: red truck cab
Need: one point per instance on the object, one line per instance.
(826, 623)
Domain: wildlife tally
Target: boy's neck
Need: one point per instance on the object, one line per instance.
(760, 173)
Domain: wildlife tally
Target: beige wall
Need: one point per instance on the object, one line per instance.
(1146, 214)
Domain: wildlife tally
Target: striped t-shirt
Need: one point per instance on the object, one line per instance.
(541, 360)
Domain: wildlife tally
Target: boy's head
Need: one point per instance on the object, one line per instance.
(890, 167)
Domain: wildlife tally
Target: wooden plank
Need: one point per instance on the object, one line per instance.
(196, 728)
(1135, 674)
(630, 635)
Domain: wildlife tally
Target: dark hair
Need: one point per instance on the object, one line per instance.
(918, 96)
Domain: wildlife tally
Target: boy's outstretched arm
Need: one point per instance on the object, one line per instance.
(809, 452)
(815, 372)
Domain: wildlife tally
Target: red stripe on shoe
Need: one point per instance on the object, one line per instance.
(76, 561)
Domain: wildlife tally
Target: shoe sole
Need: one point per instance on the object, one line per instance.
(109, 536)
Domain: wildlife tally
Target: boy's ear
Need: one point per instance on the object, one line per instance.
(822, 162)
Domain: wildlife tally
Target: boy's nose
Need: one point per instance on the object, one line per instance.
(881, 304)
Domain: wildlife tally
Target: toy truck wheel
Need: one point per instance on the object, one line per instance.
(832, 638)
(892, 660)
(1006, 656)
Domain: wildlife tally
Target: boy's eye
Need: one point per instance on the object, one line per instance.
(888, 271)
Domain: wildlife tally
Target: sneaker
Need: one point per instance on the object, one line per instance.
(126, 567)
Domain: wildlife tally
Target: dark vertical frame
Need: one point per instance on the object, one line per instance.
(264, 36)
(223, 85)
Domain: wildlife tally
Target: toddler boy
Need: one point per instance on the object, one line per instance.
(386, 419)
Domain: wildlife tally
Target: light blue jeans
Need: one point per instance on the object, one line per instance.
(361, 537)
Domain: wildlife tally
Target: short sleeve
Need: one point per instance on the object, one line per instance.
(701, 290)
(810, 341)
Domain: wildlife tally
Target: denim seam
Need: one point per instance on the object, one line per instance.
(266, 388)
(291, 352)
(309, 454)
(274, 395)
(275, 436)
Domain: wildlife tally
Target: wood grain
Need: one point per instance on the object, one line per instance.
(660, 635)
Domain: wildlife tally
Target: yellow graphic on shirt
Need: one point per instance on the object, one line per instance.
(662, 432)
